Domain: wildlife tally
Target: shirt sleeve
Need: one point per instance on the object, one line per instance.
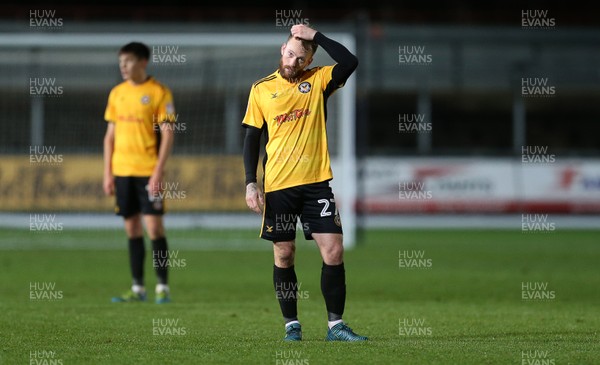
(166, 109)
(326, 76)
(110, 114)
(254, 116)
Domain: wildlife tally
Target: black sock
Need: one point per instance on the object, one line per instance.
(333, 287)
(160, 259)
(286, 288)
(137, 253)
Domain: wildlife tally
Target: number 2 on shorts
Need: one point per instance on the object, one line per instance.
(324, 212)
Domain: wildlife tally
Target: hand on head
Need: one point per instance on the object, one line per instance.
(302, 31)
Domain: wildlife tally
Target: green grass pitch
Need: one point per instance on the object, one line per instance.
(462, 304)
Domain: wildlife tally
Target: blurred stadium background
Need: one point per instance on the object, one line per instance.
(459, 114)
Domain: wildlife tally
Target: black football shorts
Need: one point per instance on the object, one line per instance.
(132, 197)
(312, 206)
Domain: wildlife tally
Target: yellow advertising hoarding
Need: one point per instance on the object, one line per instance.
(74, 183)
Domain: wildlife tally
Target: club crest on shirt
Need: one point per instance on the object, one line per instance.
(145, 100)
(304, 87)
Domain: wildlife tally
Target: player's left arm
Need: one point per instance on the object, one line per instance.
(167, 110)
(164, 150)
(346, 61)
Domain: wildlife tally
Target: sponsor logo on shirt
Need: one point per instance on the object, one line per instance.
(291, 116)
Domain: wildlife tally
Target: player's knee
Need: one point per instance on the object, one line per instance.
(284, 262)
(284, 255)
(135, 233)
(334, 254)
(133, 227)
(156, 234)
(154, 227)
(156, 231)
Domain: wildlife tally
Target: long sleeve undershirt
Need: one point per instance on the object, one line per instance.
(346, 61)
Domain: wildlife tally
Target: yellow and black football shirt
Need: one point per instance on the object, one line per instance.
(294, 115)
(135, 109)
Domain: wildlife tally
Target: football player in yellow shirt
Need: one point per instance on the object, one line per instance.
(137, 143)
(289, 107)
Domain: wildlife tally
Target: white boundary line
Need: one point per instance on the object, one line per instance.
(232, 221)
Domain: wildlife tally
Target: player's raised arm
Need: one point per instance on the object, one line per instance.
(254, 195)
(346, 61)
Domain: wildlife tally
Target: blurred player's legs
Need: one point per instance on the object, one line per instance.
(137, 254)
(156, 231)
(133, 202)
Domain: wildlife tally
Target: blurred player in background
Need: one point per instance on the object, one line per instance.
(290, 107)
(137, 144)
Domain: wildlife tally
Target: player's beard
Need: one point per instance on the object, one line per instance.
(289, 73)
